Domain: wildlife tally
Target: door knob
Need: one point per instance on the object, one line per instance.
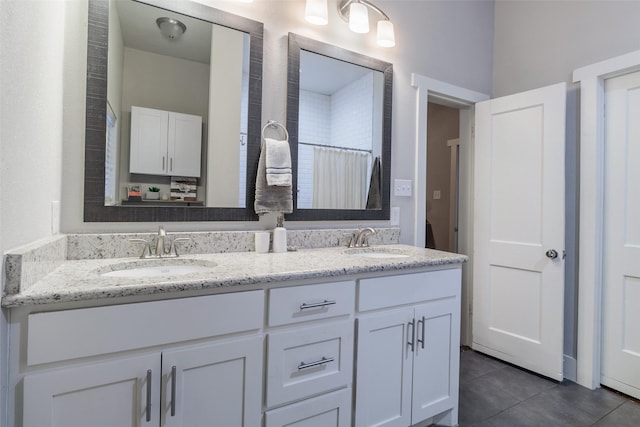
(551, 253)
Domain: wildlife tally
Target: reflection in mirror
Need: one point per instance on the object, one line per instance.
(183, 116)
(339, 117)
(339, 134)
(177, 112)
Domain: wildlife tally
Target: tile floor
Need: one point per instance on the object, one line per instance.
(495, 394)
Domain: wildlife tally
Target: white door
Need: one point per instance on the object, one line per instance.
(621, 251)
(217, 385)
(125, 392)
(518, 274)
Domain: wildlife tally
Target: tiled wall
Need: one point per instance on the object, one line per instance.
(342, 119)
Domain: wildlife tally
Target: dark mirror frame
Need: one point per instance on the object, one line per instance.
(96, 104)
(296, 44)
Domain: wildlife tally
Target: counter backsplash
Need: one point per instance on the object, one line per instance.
(27, 264)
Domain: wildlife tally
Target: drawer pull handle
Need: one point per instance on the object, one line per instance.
(148, 409)
(423, 322)
(322, 361)
(173, 391)
(324, 303)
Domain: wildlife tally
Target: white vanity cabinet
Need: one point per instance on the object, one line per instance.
(408, 349)
(165, 143)
(310, 359)
(217, 382)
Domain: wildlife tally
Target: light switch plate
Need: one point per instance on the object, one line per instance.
(436, 195)
(394, 216)
(402, 188)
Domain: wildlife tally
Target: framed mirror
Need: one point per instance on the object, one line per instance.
(339, 122)
(173, 105)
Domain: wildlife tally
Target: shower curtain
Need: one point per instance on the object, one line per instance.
(339, 178)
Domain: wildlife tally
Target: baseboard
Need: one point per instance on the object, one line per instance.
(570, 368)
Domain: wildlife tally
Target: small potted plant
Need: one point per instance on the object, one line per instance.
(153, 193)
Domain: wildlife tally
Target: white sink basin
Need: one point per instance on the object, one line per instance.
(377, 252)
(157, 268)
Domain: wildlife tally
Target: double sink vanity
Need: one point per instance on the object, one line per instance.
(319, 336)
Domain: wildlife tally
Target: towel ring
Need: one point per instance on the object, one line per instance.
(276, 125)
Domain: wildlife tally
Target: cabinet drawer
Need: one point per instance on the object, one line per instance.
(70, 334)
(308, 361)
(302, 303)
(328, 410)
(389, 291)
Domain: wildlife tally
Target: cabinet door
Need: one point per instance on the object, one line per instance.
(217, 385)
(328, 410)
(436, 359)
(185, 145)
(149, 141)
(105, 394)
(384, 366)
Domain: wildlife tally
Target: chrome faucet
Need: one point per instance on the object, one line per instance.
(161, 250)
(160, 246)
(360, 239)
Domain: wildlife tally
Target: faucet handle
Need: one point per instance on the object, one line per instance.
(146, 249)
(174, 248)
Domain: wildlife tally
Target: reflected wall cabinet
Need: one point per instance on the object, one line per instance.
(165, 143)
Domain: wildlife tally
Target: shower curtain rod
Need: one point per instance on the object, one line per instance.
(336, 147)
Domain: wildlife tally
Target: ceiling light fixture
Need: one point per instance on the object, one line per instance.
(171, 28)
(356, 13)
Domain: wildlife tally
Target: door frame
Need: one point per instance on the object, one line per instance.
(592, 122)
(465, 100)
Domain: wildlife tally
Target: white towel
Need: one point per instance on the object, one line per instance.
(278, 162)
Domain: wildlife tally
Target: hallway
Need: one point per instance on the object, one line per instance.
(496, 394)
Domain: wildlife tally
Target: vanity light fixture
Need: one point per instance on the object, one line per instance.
(356, 13)
(171, 28)
(316, 12)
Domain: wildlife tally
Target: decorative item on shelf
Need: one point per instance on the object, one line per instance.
(356, 13)
(184, 188)
(153, 193)
(134, 193)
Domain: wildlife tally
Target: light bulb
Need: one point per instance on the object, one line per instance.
(316, 12)
(386, 36)
(358, 18)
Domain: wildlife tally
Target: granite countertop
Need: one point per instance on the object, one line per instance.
(81, 280)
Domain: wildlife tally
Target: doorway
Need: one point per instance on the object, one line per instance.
(463, 100)
(443, 142)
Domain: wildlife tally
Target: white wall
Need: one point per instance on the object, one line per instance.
(539, 43)
(32, 82)
(449, 41)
